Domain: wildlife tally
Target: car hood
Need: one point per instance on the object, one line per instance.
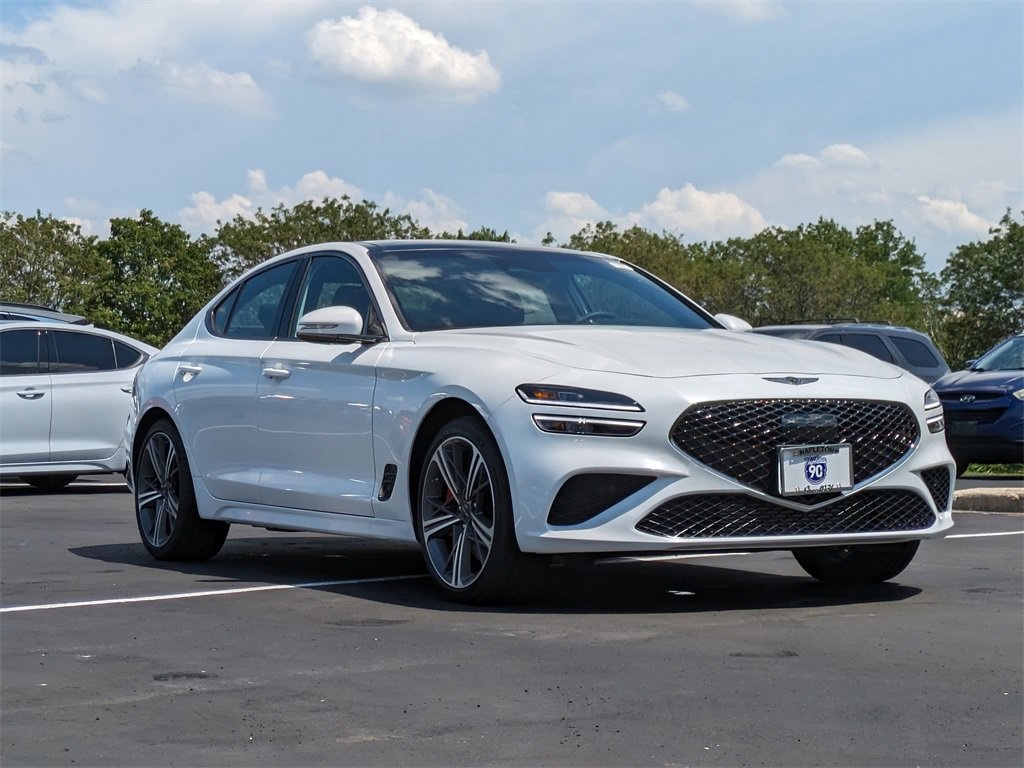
(971, 381)
(665, 353)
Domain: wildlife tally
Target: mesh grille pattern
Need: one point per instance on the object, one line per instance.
(582, 497)
(939, 485)
(739, 437)
(703, 516)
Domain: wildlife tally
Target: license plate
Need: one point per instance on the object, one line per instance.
(807, 469)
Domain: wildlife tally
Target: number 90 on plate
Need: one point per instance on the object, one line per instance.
(809, 469)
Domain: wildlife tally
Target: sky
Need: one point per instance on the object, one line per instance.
(707, 119)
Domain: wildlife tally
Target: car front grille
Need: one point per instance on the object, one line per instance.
(740, 438)
(939, 483)
(979, 415)
(702, 516)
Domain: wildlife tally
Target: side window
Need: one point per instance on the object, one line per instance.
(126, 356)
(19, 353)
(831, 338)
(258, 306)
(334, 281)
(873, 345)
(917, 354)
(219, 317)
(81, 352)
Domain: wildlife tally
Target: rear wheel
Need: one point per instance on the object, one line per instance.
(48, 483)
(165, 501)
(857, 564)
(464, 519)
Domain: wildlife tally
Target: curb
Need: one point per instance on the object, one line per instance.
(989, 500)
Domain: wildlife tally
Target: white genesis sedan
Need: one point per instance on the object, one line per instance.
(500, 404)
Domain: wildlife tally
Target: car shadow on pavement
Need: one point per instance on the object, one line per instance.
(13, 490)
(393, 574)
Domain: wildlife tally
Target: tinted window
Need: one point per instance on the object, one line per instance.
(19, 353)
(126, 356)
(873, 345)
(258, 307)
(81, 352)
(1008, 356)
(438, 288)
(333, 281)
(916, 353)
(831, 338)
(219, 318)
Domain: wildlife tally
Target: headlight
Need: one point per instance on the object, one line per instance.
(586, 425)
(931, 400)
(544, 394)
(1019, 394)
(936, 422)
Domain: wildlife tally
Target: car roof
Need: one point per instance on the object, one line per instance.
(843, 325)
(35, 325)
(43, 313)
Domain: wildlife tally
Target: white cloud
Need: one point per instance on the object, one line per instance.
(203, 84)
(388, 47)
(206, 210)
(832, 156)
(952, 216)
(700, 214)
(744, 10)
(670, 101)
(688, 211)
(845, 155)
(438, 213)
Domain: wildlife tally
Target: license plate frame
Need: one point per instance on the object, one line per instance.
(806, 470)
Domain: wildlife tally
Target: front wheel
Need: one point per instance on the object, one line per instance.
(165, 501)
(856, 564)
(464, 519)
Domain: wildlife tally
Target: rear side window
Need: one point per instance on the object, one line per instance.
(916, 353)
(257, 309)
(126, 356)
(81, 352)
(831, 338)
(873, 345)
(19, 353)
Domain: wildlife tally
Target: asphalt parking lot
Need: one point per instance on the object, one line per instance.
(295, 649)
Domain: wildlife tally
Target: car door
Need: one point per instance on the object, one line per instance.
(25, 402)
(91, 396)
(216, 379)
(316, 404)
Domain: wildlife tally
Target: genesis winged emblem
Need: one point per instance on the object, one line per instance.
(794, 380)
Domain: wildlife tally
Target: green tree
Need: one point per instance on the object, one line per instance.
(45, 260)
(984, 298)
(242, 242)
(160, 276)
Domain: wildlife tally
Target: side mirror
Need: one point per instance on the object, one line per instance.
(970, 364)
(334, 325)
(733, 323)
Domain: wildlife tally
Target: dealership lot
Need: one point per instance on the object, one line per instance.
(313, 650)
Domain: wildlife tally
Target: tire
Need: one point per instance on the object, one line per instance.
(165, 501)
(48, 483)
(464, 522)
(857, 564)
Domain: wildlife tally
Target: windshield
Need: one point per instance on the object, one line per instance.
(437, 288)
(1008, 356)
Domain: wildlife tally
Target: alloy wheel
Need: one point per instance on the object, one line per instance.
(157, 489)
(457, 512)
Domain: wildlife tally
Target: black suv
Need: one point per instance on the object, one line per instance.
(909, 349)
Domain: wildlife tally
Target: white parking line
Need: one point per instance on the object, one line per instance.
(982, 535)
(210, 593)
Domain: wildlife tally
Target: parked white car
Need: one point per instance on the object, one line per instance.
(500, 404)
(65, 396)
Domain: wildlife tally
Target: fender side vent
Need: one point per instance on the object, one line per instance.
(387, 483)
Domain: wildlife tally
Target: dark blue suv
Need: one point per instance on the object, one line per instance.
(984, 407)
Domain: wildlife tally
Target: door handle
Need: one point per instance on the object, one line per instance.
(31, 394)
(193, 369)
(276, 373)
(127, 389)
